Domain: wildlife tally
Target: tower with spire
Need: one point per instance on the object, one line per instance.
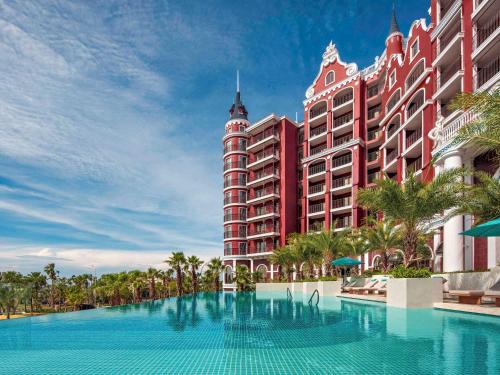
(394, 41)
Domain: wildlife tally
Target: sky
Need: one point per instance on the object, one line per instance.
(112, 114)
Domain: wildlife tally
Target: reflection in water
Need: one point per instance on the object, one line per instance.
(223, 331)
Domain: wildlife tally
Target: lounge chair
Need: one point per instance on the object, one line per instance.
(471, 297)
(381, 287)
(347, 286)
(362, 289)
(495, 294)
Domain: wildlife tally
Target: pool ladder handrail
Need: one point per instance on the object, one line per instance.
(317, 295)
(289, 294)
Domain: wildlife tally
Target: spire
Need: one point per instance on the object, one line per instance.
(394, 23)
(238, 110)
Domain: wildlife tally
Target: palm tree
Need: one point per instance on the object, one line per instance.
(137, 282)
(37, 281)
(285, 258)
(177, 261)
(482, 200)
(50, 270)
(194, 262)
(485, 130)
(330, 244)
(243, 278)
(306, 252)
(412, 204)
(383, 238)
(215, 268)
(166, 277)
(152, 274)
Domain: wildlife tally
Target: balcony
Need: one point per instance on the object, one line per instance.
(448, 11)
(317, 132)
(316, 169)
(449, 46)
(451, 130)
(263, 194)
(316, 226)
(413, 138)
(373, 112)
(317, 149)
(415, 75)
(264, 231)
(263, 175)
(339, 101)
(342, 120)
(236, 165)
(235, 234)
(262, 213)
(342, 222)
(449, 82)
(235, 200)
(317, 111)
(262, 158)
(485, 34)
(235, 251)
(235, 148)
(342, 161)
(341, 204)
(393, 101)
(316, 209)
(234, 217)
(372, 135)
(341, 184)
(372, 156)
(372, 91)
(487, 74)
(263, 139)
(372, 177)
(392, 130)
(391, 156)
(261, 247)
(235, 182)
(414, 166)
(342, 140)
(317, 189)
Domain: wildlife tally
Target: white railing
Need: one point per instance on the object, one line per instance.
(446, 19)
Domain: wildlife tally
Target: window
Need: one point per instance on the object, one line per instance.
(243, 248)
(329, 77)
(414, 49)
(243, 196)
(242, 128)
(392, 79)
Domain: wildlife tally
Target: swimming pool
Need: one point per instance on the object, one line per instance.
(238, 333)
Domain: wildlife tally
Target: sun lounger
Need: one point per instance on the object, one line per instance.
(380, 288)
(495, 294)
(362, 289)
(348, 285)
(471, 297)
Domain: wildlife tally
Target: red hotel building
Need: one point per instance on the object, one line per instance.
(282, 177)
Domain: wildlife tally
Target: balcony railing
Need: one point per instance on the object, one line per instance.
(235, 251)
(264, 229)
(449, 72)
(372, 134)
(343, 222)
(235, 182)
(342, 140)
(414, 166)
(261, 136)
(415, 75)
(238, 164)
(392, 130)
(315, 112)
(264, 173)
(338, 101)
(316, 226)
(484, 31)
(317, 207)
(414, 106)
(413, 137)
(317, 168)
(263, 192)
(373, 176)
(317, 131)
(484, 74)
(341, 182)
(262, 247)
(238, 147)
(235, 234)
(264, 154)
(341, 202)
(372, 91)
(342, 120)
(391, 156)
(342, 160)
(394, 100)
(372, 156)
(264, 211)
(373, 112)
(235, 217)
(314, 189)
(318, 149)
(446, 39)
(235, 199)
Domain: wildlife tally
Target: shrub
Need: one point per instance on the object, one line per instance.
(400, 272)
(328, 278)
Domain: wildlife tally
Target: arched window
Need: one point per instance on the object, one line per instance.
(415, 103)
(330, 77)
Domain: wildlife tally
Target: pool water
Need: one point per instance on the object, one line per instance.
(241, 333)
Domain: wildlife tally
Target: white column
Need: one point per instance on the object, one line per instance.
(493, 251)
(453, 241)
(272, 271)
(436, 243)
(367, 261)
(234, 270)
(251, 265)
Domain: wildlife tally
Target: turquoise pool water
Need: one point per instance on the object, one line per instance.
(239, 333)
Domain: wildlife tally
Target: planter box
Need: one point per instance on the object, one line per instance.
(412, 293)
(329, 288)
(272, 287)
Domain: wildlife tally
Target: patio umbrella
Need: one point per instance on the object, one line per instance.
(346, 263)
(489, 229)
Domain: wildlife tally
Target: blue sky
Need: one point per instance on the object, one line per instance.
(112, 113)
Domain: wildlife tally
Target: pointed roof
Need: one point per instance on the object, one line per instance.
(238, 110)
(394, 23)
